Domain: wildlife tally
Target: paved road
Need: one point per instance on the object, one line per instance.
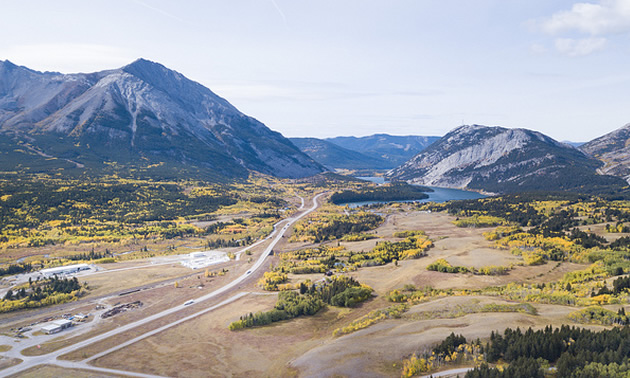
(450, 373)
(51, 358)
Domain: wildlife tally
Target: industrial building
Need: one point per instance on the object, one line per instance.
(57, 326)
(199, 260)
(64, 270)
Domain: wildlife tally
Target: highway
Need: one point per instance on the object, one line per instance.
(51, 358)
(450, 373)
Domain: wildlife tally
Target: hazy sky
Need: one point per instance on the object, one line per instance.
(328, 68)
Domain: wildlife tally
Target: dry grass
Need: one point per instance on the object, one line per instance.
(105, 283)
(205, 347)
(57, 371)
(6, 362)
(373, 351)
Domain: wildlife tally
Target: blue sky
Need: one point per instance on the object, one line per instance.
(357, 67)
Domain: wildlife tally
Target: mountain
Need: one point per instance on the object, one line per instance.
(614, 150)
(502, 160)
(392, 148)
(141, 115)
(333, 156)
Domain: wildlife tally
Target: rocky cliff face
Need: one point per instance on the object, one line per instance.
(613, 149)
(501, 160)
(142, 112)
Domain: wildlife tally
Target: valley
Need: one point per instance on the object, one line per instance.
(431, 268)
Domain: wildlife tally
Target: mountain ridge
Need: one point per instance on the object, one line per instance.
(140, 113)
(396, 149)
(502, 160)
(613, 149)
(334, 156)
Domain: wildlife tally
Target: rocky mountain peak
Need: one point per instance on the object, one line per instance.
(142, 112)
(6, 64)
(498, 159)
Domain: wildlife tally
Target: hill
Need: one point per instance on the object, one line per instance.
(392, 148)
(501, 160)
(333, 156)
(614, 150)
(141, 116)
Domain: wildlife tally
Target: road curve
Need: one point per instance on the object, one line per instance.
(50, 358)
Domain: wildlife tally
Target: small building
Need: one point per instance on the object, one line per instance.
(51, 328)
(63, 323)
(57, 326)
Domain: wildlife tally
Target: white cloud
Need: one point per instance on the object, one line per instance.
(586, 27)
(537, 48)
(68, 57)
(609, 16)
(579, 47)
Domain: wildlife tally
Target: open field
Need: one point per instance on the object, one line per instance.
(374, 351)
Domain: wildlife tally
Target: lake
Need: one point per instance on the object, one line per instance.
(438, 194)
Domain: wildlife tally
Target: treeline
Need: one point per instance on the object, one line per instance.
(586, 239)
(340, 291)
(216, 227)
(620, 285)
(334, 226)
(387, 192)
(289, 305)
(574, 351)
(29, 203)
(228, 243)
(479, 221)
(515, 208)
(41, 293)
(90, 256)
(443, 266)
(15, 269)
(621, 243)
